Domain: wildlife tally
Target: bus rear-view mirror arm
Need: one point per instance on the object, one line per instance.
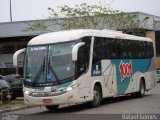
(16, 54)
(75, 50)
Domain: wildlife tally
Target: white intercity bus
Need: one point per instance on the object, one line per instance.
(78, 66)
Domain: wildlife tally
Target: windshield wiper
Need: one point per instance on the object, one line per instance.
(52, 70)
(40, 71)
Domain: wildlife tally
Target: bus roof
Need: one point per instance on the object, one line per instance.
(70, 35)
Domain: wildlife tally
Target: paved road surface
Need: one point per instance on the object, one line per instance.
(149, 104)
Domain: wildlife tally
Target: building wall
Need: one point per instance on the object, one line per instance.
(8, 46)
(155, 36)
(158, 62)
(151, 34)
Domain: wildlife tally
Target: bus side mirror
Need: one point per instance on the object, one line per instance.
(15, 62)
(75, 50)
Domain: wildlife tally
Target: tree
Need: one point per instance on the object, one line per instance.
(93, 17)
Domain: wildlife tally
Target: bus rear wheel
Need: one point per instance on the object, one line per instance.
(141, 91)
(97, 97)
(52, 108)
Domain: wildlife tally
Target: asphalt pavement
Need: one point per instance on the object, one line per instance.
(115, 108)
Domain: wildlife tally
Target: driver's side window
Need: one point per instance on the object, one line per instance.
(83, 56)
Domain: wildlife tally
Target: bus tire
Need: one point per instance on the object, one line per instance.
(141, 91)
(97, 97)
(52, 108)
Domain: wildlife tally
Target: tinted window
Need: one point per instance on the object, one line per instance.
(157, 43)
(83, 56)
(109, 48)
(98, 50)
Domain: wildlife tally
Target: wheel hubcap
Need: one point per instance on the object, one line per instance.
(142, 89)
(96, 96)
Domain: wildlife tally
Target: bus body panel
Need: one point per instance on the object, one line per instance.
(84, 89)
(110, 81)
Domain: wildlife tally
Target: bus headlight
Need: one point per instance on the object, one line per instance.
(70, 88)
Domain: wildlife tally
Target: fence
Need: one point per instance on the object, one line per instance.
(5, 97)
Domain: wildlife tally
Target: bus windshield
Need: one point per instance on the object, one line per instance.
(49, 64)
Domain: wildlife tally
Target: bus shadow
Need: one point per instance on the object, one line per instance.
(119, 99)
(85, 106)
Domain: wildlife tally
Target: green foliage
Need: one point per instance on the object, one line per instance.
(36, 26)
(98, 16)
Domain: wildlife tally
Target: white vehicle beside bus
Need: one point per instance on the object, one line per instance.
(78, 66)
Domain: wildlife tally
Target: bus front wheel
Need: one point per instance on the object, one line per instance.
(97, 97)
(52, 108)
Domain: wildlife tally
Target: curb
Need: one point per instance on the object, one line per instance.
(12, 108)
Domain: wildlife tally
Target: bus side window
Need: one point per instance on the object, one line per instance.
(98, 50)
(149, 50)
(81, 60)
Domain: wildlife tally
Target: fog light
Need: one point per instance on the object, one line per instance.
(27, 92)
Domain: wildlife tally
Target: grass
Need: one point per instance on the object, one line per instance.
(12, 103)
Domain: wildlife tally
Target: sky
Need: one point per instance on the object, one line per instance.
(23, 10)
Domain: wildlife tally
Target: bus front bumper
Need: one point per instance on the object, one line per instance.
(70, 97)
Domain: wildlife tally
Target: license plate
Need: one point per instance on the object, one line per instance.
(47, 101)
